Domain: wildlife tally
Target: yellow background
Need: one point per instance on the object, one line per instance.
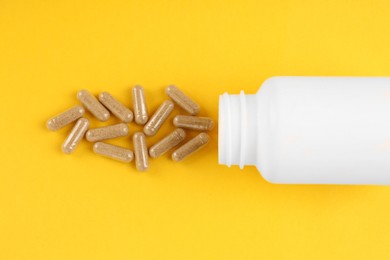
(83, 206)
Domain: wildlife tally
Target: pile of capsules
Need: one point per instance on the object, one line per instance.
(101, 107)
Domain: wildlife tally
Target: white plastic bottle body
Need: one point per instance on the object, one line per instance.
(310, 130)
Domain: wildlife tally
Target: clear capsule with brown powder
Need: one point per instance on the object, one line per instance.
(167, 143)
(192, 146)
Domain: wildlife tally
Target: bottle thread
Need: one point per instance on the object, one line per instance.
(237, 129)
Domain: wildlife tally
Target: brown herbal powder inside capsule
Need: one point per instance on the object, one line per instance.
(107, 132)
(158, 118)
(167, 143)
(76, 134)
(65, 118)
(140, 151)
(182, 100)
(192, 146)
(139, 105)
(194, 122)
(93, 105)
(117, 108)
(114, 152)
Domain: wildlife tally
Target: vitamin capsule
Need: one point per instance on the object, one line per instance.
(193, 145)
(139, 105)
(114, 152)
(167, 143)
(65, 118)
(158, 118)
(75, 136)
(194, 122)
(182, 100)
(140, 152)
(117, 108)
(93, 105)
(107, 132)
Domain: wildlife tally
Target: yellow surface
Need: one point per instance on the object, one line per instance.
(83, 206)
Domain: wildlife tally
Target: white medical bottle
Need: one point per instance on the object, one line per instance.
(310, 130)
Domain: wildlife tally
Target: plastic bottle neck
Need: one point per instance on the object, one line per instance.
(237, 143)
